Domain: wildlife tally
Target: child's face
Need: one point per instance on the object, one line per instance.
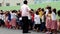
(43, 13)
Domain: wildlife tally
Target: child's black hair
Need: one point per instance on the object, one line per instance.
(54, 10)
(49, 7)
(38, 8)
(50, 11)
(32, 10)
(42, 9)
(14, 11)
(37, 13)
(58, 12)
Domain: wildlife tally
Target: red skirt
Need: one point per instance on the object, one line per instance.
(54, 24)
(13, 22)
(48, 23)
(7, 24)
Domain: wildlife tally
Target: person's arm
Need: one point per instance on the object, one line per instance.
(29, 10)
(21, 11)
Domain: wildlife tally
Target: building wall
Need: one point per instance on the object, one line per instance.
(14, 2)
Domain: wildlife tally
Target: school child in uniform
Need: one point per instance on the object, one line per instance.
(32, 19)
(48, 22)
(58, 20)
(3, 23)
(54, 21)
(1, 19)
(6, 19)
(13, 19)
(40, 14)
(43, 23)
(37, 21)
(9, 19)
(19, 20)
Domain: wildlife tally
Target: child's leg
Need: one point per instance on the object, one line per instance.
(35, 26)
(55, 31)
(38, 27)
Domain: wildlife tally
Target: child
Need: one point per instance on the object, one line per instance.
(37, 21)
(48, 21)
(43, 22)
(7, 19)
(1, 18)
(19, 20)
(54, 21)
(32, 19)
(58, 20)
(13, 19)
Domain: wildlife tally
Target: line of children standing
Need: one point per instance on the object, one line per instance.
(41, 20)
(51, 21)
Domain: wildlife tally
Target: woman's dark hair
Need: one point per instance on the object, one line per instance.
(54, 10)
(58, 12)
(25, 2)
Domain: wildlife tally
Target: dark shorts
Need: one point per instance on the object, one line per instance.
(19, 22)
(37, 26)
(1, 22)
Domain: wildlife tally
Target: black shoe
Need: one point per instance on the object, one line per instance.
(51, 33)
(26, 32)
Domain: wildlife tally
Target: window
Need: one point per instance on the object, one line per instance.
(7, 4)
(18, 3)
(0, 4)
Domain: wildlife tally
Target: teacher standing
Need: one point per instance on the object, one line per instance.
(25, 15)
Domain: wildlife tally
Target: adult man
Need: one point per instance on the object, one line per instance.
(25, 14)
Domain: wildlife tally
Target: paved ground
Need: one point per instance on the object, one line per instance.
(11, 31)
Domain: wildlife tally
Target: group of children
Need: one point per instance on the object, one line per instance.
(39, 20)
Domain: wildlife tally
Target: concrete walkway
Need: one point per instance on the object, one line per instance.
(11, 31)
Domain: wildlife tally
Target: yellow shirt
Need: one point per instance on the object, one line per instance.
(40, 13)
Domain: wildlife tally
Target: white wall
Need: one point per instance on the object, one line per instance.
(13, 2)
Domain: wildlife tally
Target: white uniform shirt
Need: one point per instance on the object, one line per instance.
(13, 15)
(46, 11)
(25, 10)
(37, 19)
(53, 15)
(3, 16)
(0, 16)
